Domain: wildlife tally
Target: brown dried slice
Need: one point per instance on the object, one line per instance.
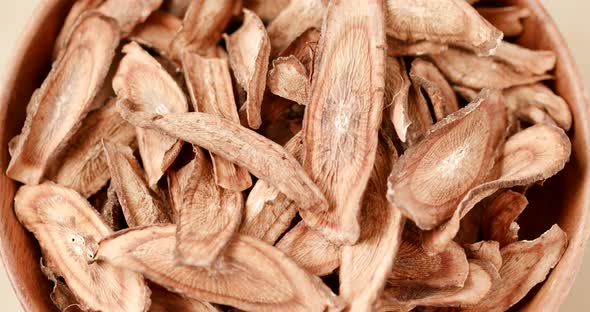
(159, 93)
(141, 205)
(419, 113)
(165, 301)
(129, 13)
(397, 47)
(57, 108)
(441, 21)
(426, 76)
(267, 10)
(433, 176)
(507, 19)
(263, 158)
(68, 229)
(83, 166)
(500, 216)
(397, 89)
(157, 31)
(110, 210)
(177, 181)
(288, 78)
(524, 60)
(249, 50)
(485, 250)
(457, 65)
(303, 48)
(78, 9)
(254, 276)
(526, 263)
(343, 116)
(177, 8)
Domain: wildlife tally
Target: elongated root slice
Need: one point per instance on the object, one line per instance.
(253, 276)
(68, 230)
(157, 32)
(129, 13)
(425, 75)
(57, 108)
(78, 9)
(343, 116)
(397, 90)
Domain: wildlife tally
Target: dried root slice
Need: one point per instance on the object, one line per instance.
(419, 114)
(425, 75)
(522, 99)
(159, 93)
(267, 10)
(507, 19)
(500, 216)
(397, 89)
(208, 217)
(310, 250)
(177, 181)
(458, 66)
(263, 158)
(303, 48)
(57, 109)
(525, 60)
(61, 296)
(397, 47)
(269, 212)
(177, 8)
(78, 9)
(343, 116)
(167, 301)
(288, 78)
(68, 230)
(83, 166)
(365, 266)
(433, 176)
(526, 263)
(249, 50)
(485, 251)
(442, 21)
(254, 276)
(534, 154)
(157, 31)
(129, 13)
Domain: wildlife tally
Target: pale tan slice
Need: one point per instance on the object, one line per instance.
(426, 76)
(177, 181)
(507, 19)
(485, 250)
(396, 47)
(177, 8)
(249, 51)
(57, 108)
(288, 78)
(157, 31)
(78, 9)
(159, 93)
(498, 222)
(68, 230)
(303, 48)
(397, 89)
(167, 301)
(254, 276)
(524, 60)
(343, 115)
(129, 13)
(267, 10)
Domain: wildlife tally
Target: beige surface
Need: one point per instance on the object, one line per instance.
(570, 15)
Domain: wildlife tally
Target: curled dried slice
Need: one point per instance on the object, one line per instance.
(263, 158)
(177, 8)
(419, 113)
(177, 181)
(397, 89)
(254, 276)
(288, 78)
(57, 108)
(433, 176)
(525, 60)
(425, 75)
(159, 93)
(129, 13)
(507, 19)
(442, 21)
(485, 250)
(78, 9)
(68, 229)
(110, 210)
(165, 301)
(526, 263)
(303, 48)
(267, 10)
(249, 50)
(397, 47)
(343, 116)
(157, 31)
(83, 166)
(61, 296)
(500, 216)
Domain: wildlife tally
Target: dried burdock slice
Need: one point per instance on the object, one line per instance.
(303, 48)
(288, 78)
(57, 108)
(425, 75)
(397, 89)
(208, 217)
(78, 9)
(485, 250)
(61, 296)
(519, 100)
(249, 51)
(397, 47)
(164, 301)
(262, 157)
(129, 13)
(159, 93)
(267, 10)
(433, 176)
(140, 205)
(524, 60)
(83, 165)
(254, 275)
(177, 8)
(500, 216)
(68, 230)
(365, 266)
(157, 31)
(177, 181)
(419, 113)
(210, 88)
(343, 116)
(457, 65)
(441, 21)
(526, 263)
(507, 19)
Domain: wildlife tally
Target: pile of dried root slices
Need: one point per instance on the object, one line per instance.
(303, 155)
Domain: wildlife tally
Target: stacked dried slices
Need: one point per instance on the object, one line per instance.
(216, 155)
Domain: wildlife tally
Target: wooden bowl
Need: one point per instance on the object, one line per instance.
(564, 199)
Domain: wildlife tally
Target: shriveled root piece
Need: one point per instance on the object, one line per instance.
(110, 210)
(288, 78)
(499, 221)
(61, 295)
(426, 76)
(177, 181)
(157, 31)
(167, 301)
(433, 176)
(159, 93)
(263, 158)
(249, 51)
(397, 89)
(343, 116)
(177, 8)
(141, 205)
(254, 276)
(507, 19)
(526, 263)
(129, 13)
(68, 230)
(397, 47)
(267, 10)
(485, 250)
(442, 21)
(525, 60)
(58, 107)
(78, 9)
